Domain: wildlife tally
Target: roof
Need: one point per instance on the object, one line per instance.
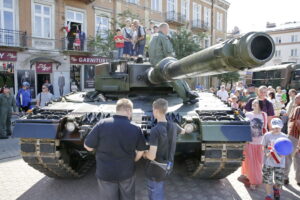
(286, 26)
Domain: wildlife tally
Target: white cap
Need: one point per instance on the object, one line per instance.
(276, 123)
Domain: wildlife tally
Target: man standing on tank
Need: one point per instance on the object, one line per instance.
(160, 45)
(118, 144)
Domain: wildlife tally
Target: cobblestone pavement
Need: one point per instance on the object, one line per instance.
(19, 181)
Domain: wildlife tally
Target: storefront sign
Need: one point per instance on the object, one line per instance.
(8, 56)
(91, 60)
(43, 67)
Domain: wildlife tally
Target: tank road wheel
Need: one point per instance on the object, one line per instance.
(217, 160)
(53, 159)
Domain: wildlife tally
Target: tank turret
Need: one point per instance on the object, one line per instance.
(248, 51)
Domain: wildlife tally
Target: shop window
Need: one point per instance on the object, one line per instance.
(42, 21)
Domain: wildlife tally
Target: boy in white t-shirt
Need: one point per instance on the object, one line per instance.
(271, 167)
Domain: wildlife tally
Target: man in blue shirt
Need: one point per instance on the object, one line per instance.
(119, 144)
(23, 99)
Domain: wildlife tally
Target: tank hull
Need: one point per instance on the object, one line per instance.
(213, 150)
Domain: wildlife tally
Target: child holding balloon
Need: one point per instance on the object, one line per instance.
(276, 147)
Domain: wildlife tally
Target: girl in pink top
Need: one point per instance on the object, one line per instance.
(252, 165)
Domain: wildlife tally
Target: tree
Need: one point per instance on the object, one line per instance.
(229, 77)
(185, 43)
(102, 44)
(121, 18)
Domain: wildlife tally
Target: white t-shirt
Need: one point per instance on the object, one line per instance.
(223, 95)
(269, 140)
(45, 98)
(257, 124)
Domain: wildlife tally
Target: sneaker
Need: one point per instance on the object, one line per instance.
(276, 193)
(244, 180)
(286, 181)
(268, 198)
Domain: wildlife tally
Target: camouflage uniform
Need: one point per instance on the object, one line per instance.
(6, 104)
(160, 47)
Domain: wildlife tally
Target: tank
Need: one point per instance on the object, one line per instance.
(52, 137)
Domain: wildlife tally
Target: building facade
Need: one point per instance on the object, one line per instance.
(48, 39)
(287, 41)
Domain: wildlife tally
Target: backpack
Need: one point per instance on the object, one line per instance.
(164, 169)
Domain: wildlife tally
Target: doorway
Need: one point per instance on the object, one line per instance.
(41, 78)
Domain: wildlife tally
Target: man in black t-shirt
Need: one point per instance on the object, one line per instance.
(118, 144)
(161, 151)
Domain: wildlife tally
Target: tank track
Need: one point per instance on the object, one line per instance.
(217, 160)
(51, 158)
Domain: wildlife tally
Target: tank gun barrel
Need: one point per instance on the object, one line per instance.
(251, 50)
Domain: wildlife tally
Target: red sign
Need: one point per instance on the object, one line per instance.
(43, 67)
(8, 56)
(87, 60)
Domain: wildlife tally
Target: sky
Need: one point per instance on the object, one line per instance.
(252, 15)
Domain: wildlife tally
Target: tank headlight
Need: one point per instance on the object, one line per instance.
(189, 128)
(70, 126)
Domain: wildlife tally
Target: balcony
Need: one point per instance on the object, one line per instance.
(71, 45)
(12, 38)
(175, 18)
(199, 25)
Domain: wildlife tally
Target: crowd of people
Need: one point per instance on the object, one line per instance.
(9, 105)
(273, 114)
(132, 40)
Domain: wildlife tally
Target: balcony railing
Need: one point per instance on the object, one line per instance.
(199, 25)
(175, 18)
(12, 38)
(73, 44)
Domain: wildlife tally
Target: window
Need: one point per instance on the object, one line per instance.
(156, 5)
(277, 53)
(207, 16)
(185, 9)
(42, 21)
(277, 40)
(206, 43)
(132, 1)
(102, 26)
(294, 52)
(294, 38)
(172, 5)
(7, 21)
(196, 14)
(219, 21)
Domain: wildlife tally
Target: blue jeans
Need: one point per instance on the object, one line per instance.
(120, 53)
(155, 190)
(140, 49)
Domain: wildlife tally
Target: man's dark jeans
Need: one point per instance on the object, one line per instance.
(155, 190)
(118, 190)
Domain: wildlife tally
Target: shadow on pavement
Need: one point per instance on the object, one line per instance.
(177, 187)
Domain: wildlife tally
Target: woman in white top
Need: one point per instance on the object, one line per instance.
(252, 165)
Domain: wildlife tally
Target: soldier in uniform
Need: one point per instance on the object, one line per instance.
(160, 45)
(7, 102)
